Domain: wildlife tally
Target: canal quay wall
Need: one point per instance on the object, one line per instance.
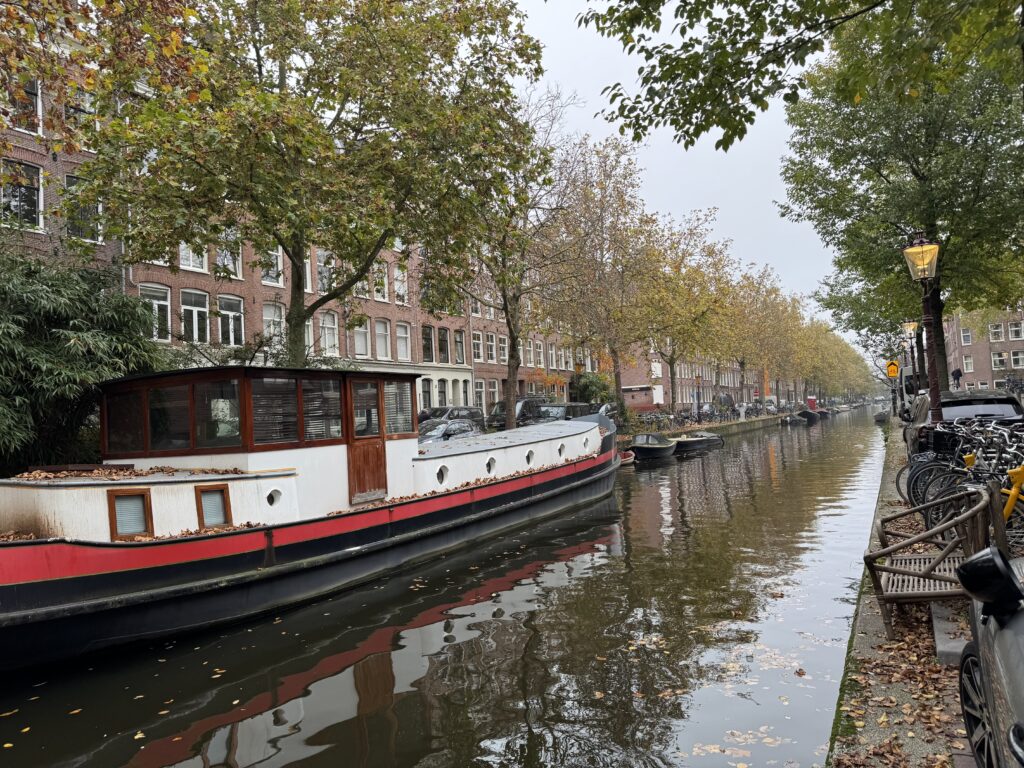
(898, 703)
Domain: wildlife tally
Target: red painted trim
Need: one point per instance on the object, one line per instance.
(23, 563)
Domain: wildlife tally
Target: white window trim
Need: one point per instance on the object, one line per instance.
(1017, 352)
(404, 271)
(491, 347)
(307, 275)
(965, 334)
(41, 205)
(968, 363)
(364, 327)
(1004, 365)
(206, 260)
(98, 240)
(385, 299)
(278, 337)
(323, 327)
(1020, 330)
(477, 343)
(376, 337)
(240, 313)
(170, 317)
(184, 309)
(39, 116)
(408, 342)
(991, 330)
(280, 269)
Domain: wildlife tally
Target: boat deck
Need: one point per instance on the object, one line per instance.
(113, 475)
(510, 438)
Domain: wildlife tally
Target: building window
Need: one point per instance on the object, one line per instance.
(227, 256)
(159, 300)
(478, 346)
(131, 513)
(970, 386)
(1017, 359)
(307, 334)
(382, 339)
(538, 347)
(492, 387)
(474, 306)
(442, 393)
(966, 337)
(982, 385)
(27, 110)
(213, 505)
(403, 348)
(465, 391)
(401, 284)
(491, 348)
(995, 333)
(273, 268)
(999, 383)
(307, 275)
(82, 219)
(552, 356)
(273, 323)
(232, 323)
(195, 310)
(324, 270)
(443, 348)
(503, 349)
(1016, 330)
(21, 196)
(362, 289)
(478, 394)
(488, 309)
(80, 114)
(968, 364)
(998, 361)
(428, 344)
(380, 282)
(361, 339)
(191, 259)
(460, 347)
(426, 401)
(528, 346)
(329, 334)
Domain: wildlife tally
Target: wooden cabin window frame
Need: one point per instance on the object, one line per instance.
(224, 489)
(147, 501)
(244, 377)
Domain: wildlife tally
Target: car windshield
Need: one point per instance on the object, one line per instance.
(433, 430)
(989, 408)
(552, 411)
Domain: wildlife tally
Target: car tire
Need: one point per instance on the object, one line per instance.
(975, 710)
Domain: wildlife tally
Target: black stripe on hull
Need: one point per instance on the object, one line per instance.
(304, 572)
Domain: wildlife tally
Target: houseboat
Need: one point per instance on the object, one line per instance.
(228, 492)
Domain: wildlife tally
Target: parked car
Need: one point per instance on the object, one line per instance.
(439, 430)
(993, 404)
(611, 410)
(526, 413)
(452, 412)
(561, 411)
(992, 664)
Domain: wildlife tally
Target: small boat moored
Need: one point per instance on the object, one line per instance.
(811, 417)
(651, 445)
(695, 442)
(881, 417)
(626, 458)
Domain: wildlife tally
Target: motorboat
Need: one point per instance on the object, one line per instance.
(811, 417)
(652, 445)
(626, 458)
(694, 442)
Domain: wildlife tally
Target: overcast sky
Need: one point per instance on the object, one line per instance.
(742, 183)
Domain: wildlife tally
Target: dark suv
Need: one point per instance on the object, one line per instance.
(527, 412)
(452, 412)
(992, 404)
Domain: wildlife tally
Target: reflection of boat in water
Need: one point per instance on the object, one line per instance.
(281, 690)
(250, 489)
(695, 442)
(651, 445)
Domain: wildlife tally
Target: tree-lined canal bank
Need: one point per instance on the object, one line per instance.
(700, 617)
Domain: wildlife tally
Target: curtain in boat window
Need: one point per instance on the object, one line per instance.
(398, 406)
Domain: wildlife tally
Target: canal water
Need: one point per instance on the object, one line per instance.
(697, 618)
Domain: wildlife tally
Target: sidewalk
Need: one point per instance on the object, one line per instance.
(898, 705)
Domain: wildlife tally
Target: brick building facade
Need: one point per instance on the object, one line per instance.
(989, 350)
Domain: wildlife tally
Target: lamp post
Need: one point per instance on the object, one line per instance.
(910, 330)
(922, 258)
(698, 379)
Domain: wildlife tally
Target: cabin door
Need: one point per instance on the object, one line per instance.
(367, 462)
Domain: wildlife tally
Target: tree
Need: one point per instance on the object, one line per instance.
(601, 300)
(65, 328)
(345, 125)
(686, 297)
(869, 175)
(756, 50)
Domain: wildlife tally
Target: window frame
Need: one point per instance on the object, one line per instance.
(992, 327)
(276, 338)
(402, 297)
(380, 274)
(192, 254)
(408, 342)
(377, 336)
(425, 331)
(365, 327)
(221, 314)
(444, 349)
(459, 339)
(491, 347)
(96, 216)
(40, 225)
(170, 321)
(337, 338)
(1019, 325)
(223, 488)
(968, 363)
(194, 310)
(38, 131)
(1002, 365)
(1013, 357)
(478, 346)
(265, 272)
(112, 494)
(966, 337)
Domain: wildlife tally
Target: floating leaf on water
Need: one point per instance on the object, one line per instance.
(8, 714)
(598, 694)
(139, 735)
(75, 711)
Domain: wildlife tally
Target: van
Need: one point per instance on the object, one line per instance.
(526, 413)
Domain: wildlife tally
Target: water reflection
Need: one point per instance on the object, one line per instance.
(697, 618)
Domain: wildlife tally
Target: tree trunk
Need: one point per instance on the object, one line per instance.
(921, 373)
(743, 380)
(296, 315)
(617, 375)
(672, 381)
(511, 383)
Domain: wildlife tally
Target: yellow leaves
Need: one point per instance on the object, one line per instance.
(598, 694)
(139, 735)
(75, 711)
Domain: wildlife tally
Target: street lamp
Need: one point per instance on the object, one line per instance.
(922, 258)
(698, 379)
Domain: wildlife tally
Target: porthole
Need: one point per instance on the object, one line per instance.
(491, 464)
(442, 475)
(561, 449)
(273, 497)
(586, 442)
(529, 458)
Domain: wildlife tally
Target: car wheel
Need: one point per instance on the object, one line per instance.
(975, 710)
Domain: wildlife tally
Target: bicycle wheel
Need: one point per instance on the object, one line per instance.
(901, 481)
(942, 481)
(919, 479)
